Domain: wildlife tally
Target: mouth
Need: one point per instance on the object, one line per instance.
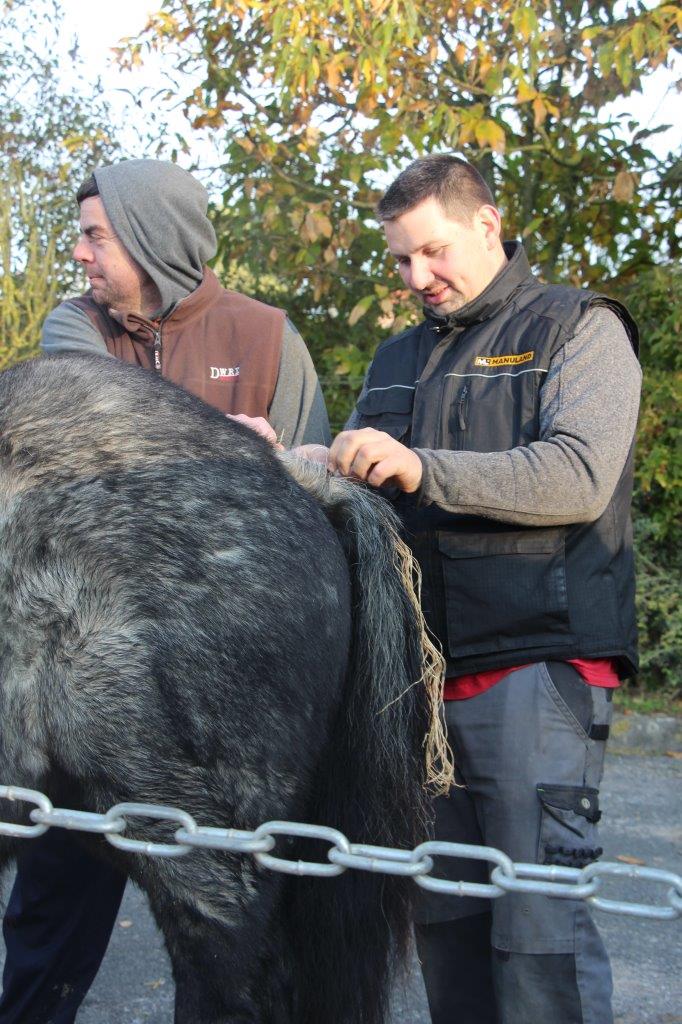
(434, 298)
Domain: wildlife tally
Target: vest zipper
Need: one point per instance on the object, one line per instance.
(157, 350)
(461, 411)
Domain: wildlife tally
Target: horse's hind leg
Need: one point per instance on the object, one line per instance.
(221, 945)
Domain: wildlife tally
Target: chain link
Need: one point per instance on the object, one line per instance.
(505, 877)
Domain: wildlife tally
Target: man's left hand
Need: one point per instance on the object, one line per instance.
(259, 426)
(377, 458)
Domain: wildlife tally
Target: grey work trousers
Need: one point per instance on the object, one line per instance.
(531, 776)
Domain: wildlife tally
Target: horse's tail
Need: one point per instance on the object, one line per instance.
(386, 758)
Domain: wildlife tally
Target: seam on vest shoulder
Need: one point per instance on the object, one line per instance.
(547, 314)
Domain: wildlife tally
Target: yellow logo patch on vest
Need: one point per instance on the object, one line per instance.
(509, 360)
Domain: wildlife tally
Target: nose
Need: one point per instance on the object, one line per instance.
(421, 275)
(82, 250)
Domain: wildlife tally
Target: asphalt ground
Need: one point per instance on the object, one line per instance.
(642, 802)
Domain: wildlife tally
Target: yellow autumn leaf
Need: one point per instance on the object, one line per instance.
(333, 75)
(525, 92)
(323, 224)
(525, 22)
(359, 309)
(624, 186)
(309, 232)
(489, 133)
(540, 111)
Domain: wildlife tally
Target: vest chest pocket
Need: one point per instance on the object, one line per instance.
(489, 412)
(504, 590)
(388, 409)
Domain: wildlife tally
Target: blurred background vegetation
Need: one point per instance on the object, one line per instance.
(312, 106)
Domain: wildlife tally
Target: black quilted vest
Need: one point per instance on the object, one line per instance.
(498, 594)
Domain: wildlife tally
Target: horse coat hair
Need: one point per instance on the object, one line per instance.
(183, 623)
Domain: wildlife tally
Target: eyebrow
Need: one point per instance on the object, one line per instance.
(426, 245)
(92, 229)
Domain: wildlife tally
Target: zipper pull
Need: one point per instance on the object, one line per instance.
(462, 400)
(157, 351)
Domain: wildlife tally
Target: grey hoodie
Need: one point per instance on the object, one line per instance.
(158, 210)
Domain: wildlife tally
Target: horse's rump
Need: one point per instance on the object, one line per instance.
(177, 628)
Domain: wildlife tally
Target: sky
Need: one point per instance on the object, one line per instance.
(96, 37)
(658, 104)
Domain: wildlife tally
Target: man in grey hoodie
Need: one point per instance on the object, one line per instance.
(145, 239)
(504, 424)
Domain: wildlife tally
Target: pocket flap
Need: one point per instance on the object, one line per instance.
(512, 542)
(582, 800)
(396, 399)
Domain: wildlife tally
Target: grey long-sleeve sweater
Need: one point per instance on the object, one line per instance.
(588, 415)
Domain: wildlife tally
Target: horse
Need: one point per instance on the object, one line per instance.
(190, 619)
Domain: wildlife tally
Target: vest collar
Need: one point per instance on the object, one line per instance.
(144, 330)
(515, 273)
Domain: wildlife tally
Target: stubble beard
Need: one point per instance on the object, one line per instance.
(454, 301)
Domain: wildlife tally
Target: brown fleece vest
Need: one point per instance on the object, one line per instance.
(219, 345)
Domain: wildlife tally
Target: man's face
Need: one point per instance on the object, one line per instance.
(445, 262)
(117, 281)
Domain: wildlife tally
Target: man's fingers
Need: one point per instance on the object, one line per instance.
(256, 423)
(375, 457)
(347, 445)
(383, 471)
(368, 455)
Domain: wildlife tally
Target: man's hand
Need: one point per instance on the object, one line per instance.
(259, 425)
(377, 458)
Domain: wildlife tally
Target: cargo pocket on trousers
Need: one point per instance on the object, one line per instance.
(568, 825)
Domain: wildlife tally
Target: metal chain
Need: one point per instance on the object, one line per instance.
(506, 876)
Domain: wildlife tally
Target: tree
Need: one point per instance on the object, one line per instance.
(316, 101)
(656, 300)
(50, 139)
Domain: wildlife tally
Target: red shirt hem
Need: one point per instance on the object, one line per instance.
(595, 672)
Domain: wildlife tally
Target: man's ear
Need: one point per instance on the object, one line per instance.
(489, 222)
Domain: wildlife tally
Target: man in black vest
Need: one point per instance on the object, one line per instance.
(504, 422)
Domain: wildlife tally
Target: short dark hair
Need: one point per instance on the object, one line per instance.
(87, 190)
(452, 181)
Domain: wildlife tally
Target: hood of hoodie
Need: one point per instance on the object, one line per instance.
(158, 210)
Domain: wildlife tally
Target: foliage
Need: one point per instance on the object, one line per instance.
(26, 294)
(316, 102)
(49, 140)
(659, 617)
(655, 298)
(656, 702)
